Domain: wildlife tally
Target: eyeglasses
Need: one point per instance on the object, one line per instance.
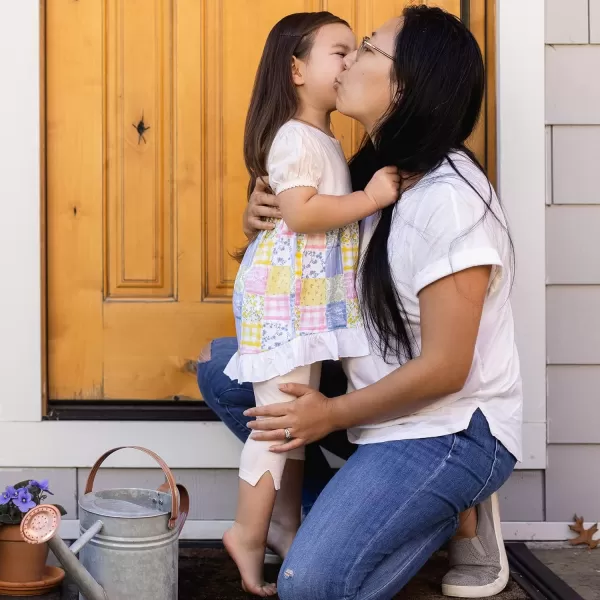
(366, 43)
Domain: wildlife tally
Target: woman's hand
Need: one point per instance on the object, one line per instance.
(309, 418)
(262, 204)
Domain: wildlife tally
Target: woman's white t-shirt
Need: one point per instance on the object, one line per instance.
(439, 228)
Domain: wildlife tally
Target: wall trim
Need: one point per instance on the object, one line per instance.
(522, 182)
(214, 530)
(192, 530)
(43, 215)
(20, 228)
(546, 531)
(182, 444)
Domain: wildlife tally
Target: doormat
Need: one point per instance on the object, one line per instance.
(207, 574)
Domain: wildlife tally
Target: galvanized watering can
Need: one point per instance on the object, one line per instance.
(129, 544)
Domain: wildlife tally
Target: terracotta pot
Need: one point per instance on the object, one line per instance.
(20, 562)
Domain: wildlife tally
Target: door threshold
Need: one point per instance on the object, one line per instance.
(535, 577)
(129, 410)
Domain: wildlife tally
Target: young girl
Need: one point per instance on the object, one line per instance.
(294, 301)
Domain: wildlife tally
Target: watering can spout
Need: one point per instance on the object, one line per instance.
(41, 525)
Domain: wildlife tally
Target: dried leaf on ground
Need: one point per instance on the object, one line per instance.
(586, 536)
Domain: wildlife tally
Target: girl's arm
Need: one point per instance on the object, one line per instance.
(306, 211)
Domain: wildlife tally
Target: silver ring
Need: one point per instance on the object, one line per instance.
(288, 435)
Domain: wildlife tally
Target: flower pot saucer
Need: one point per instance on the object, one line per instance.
(53, 577)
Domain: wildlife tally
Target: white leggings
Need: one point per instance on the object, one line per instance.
(256, 458)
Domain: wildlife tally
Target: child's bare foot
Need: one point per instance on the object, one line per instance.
(280, 538)
(249, 557)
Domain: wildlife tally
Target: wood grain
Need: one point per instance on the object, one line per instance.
(139, 274)
(74, 128)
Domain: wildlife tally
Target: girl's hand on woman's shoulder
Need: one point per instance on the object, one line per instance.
(384, 187)
(308, 418)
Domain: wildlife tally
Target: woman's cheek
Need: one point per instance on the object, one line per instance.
(355, 100)
(340, 103)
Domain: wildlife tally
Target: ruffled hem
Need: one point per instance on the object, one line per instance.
(301, 351)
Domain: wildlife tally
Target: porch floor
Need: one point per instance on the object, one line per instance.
(209, 574)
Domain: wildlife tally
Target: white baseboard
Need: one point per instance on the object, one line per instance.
(512, 531)
(182, 445)
(192, 530)
(547, 531)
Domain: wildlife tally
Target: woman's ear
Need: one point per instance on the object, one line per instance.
(298, 68)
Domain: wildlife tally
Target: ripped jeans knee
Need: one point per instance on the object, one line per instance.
(299, 584)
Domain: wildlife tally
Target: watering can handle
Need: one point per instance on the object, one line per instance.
(184, 503)
(172, 486)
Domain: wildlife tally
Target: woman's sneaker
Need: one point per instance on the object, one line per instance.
(271, 558)
(479, 566)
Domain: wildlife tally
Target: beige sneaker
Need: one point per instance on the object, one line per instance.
(272, 559)
(479, 566)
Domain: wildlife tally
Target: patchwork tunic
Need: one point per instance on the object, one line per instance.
(295, 300)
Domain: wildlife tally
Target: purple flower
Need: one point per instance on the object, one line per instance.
(42, 485)
(7, 495)
(24, 501)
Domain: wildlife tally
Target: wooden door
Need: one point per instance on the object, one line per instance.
(146, 102)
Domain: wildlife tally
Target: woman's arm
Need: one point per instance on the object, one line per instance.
(262, 205)
(451, 311)
(306, 211)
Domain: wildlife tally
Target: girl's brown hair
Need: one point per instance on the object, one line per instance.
(274, 98)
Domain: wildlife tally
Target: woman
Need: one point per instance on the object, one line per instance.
(436, 409)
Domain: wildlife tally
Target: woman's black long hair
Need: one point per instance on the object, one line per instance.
(440, 74)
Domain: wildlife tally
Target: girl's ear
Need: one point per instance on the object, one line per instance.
(298, 68)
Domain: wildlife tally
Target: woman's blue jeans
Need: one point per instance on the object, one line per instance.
(385, 512)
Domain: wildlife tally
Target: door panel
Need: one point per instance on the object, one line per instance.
(75, 199)
(139, 132)
(146, 103)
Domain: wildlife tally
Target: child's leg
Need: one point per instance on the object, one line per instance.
(261, 473)
(287, 512)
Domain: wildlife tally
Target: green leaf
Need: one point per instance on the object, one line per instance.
(63, 512)
(8, 520)
(21, 484)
